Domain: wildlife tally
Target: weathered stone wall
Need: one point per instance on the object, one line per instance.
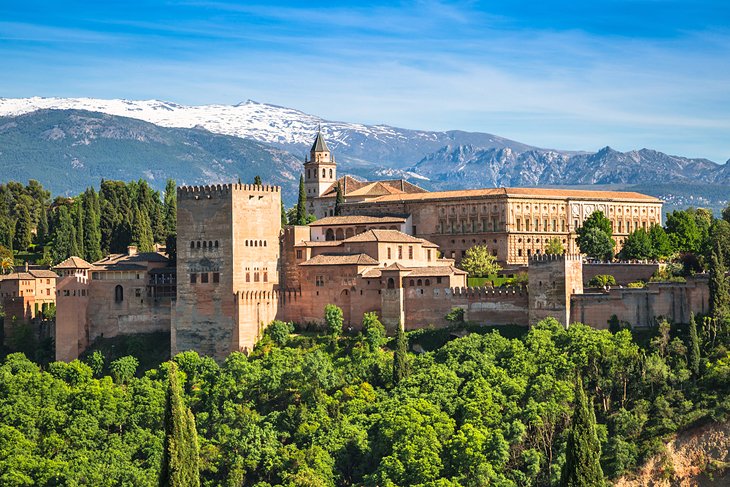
(642, 307)
(72, 332)
(624, 272)
(486, 306)
(243, 224)
(552, 280)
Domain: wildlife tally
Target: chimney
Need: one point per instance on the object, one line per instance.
(132, 250)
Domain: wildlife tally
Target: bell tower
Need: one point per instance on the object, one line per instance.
(320, 170)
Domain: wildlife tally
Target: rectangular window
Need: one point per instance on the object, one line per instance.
(204, 278)
(562, 225)
(193, 278)
(428, 254)
(414, 230)
(400, 252)
(216, 277)
(137, 292)
(256, 277)
(299, 254)
(519, 224)
(410, 252)
(554, 225)
(438, 280)
(389, 253)
(319, 281)
(519, 252)
(537, 225)
(544, 226)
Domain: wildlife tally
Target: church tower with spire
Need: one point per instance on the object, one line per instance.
(320, 170)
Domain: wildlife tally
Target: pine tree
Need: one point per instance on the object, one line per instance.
(257, 180)
(693, 351)
(284, 219)
(171, 207)
(302, 203)
(180, 462)
(719, 288)
(23, 235)
(400, 356)
(583, 451)
(339, 200)
(92, 233)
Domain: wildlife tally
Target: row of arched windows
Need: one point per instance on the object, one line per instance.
(256, 243)
(209, 244)
(324, 173)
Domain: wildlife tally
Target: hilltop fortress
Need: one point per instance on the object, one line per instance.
(393, 250)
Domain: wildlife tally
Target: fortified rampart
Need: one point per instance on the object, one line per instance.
(487, 306)
(623, 272)
(641, 307)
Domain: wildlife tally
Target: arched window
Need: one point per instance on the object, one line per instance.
(246, 243)
(428, 282)
(118, 294)
(391, 283)
(210, 244)
(329, 234)
(248, 277)
(216, 244)
(192, 244)
(330, 173)
(339, 234)
(412, 283)
(255, 243)
(198, 243)
(205, 244)
(324, 173)
(308, 174)
(419, 283)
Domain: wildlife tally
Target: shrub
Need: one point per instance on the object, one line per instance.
(602, 280)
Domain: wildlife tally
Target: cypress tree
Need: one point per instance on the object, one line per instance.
(302, 203)
(719, 288)
(92, 233)
(180, 454)
(583, 451)
(64, 236)
(284, 219)
(79, 225)
(23, 235)
(400, 357)
(339, 200)
(142, 231)
(171, 207)
(693, 350)
(42, 230)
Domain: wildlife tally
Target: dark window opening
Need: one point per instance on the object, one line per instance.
(119, 294)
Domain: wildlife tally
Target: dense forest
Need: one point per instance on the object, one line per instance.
(326, 409)
(91, 225)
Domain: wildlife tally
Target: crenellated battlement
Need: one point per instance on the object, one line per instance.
(540, 258)
(476, 293)
(221, 190)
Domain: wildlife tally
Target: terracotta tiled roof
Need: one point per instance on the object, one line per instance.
(42, 273)
(318, 243)
(353, 187)
(17, 276)
(352, 259)
(73, 262)
(521, 192)
(384, 236)
(429, 271)
(396, 266)
(356, 220)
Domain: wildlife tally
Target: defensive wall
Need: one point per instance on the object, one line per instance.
(623, 272)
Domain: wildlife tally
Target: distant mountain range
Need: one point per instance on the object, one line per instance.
(70, 143)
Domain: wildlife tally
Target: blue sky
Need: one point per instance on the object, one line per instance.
(568, 75)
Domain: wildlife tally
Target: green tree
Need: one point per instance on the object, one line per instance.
(719, 288)
(92, 233)
(257, 180)
(554, 247)
(284, 218)
(42, 229)
(279, 331)
(64, 241)
(78, 217)
(660, 244)
(693, 350)
(142, 232)
(123, 368)
(180, 457)
(373, 330)
(170, 207)
(583, 451)
(302, 203)
(478, 262)
(637, 246)
(681, 227)
(597, 244)
(334, 319)
(455, 316)
(23, 235)
(602, 280)
(339, 200)
(400, 355)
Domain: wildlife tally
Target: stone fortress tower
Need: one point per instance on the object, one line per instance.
(554, 279)
(227, 267)
(320, 172)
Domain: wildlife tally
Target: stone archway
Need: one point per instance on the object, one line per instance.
(329, 235)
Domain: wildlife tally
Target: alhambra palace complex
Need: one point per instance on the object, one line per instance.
(393, 250)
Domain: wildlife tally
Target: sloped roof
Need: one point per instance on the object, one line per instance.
(350, 259)
(319, 144)
(428, 271)
(396, 266)
(377, 235)
(357, 220)
(551, 193)
(352, 187)
(73, 262)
